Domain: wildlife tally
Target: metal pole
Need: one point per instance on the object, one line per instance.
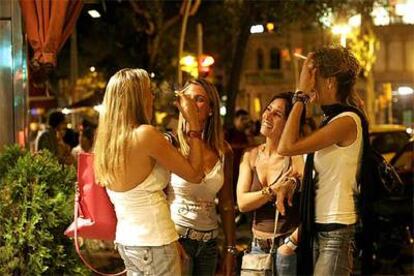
(74, 71)
(182, 38)
(199, 45)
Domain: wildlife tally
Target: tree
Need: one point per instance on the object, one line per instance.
(240, 15)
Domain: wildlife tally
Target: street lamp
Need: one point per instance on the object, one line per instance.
(94, 13)
(189, 64)
(343, 30)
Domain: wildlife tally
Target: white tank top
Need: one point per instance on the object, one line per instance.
(336, 186)
(192, 205)
(142, 212)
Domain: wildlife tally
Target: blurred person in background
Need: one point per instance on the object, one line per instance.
(237, 137)
(51, 138)
(86, 137)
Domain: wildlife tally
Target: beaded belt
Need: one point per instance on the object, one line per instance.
(189, 233)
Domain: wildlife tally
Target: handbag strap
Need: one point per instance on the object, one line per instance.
(273, 247)
(75, 238)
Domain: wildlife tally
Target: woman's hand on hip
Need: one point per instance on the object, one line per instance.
(285, 250)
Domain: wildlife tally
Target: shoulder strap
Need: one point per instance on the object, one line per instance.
(287, 161)
(75, 238)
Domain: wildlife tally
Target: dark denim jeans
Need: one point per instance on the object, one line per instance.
(201, 257)
(285, 264)
(333, 252)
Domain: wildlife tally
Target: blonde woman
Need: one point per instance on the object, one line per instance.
(133, 160)
(192, 205)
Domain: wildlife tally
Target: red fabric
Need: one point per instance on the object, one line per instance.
(95, 217)
(48, 25)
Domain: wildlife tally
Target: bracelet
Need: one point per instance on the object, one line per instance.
(194, 134)
(299, 96)
(231, 249)
(267, 191)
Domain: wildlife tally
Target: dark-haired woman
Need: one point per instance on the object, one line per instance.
(262, 172)
(334, 155)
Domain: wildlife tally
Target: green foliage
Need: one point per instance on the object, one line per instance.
(9, 158)
(36, 203)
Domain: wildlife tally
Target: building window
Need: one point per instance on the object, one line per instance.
(260, 59)
(275, 59)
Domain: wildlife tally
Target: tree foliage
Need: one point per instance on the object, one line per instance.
(36, 203)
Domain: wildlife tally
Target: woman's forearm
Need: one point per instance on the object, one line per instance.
(290, 133)
(251, 201)
(227, 217)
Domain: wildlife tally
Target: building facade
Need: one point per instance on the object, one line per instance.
(270, 68)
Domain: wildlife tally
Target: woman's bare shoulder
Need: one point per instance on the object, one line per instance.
(250, 154)
(147, 134)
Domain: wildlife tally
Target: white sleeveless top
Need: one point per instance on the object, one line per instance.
(192, 205)
(336, 186)
(142, 212)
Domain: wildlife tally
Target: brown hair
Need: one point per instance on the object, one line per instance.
(288, 97)
(339, 62)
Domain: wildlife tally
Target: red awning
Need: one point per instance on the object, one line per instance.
(48, 25)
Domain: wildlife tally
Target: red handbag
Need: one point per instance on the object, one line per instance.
(94, 214)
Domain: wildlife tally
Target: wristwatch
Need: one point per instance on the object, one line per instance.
(300, 96)
(289, 243)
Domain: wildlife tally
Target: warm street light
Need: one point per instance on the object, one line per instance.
(189, 64)
(355, 21)
(405, 90)
(94, 13)
(66, 111)
(270, 26)
(188, 61)
(207, 61)
(256, 29)
(343, 30)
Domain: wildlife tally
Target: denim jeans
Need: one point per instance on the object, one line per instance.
(201, 259)
(151, 260)
(285, 264)
(333, 251)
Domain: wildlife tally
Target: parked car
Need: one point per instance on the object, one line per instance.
(388, 139)
(403, 163)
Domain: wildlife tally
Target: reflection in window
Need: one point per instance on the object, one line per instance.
(260, 59)
(275, 59)
(405, 162)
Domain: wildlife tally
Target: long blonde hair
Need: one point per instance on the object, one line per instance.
(213, 131)
(123, 110)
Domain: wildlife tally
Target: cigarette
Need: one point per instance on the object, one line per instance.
(299, 56)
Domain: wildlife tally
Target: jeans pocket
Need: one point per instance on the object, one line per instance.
(285, 264)
(138, 259)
